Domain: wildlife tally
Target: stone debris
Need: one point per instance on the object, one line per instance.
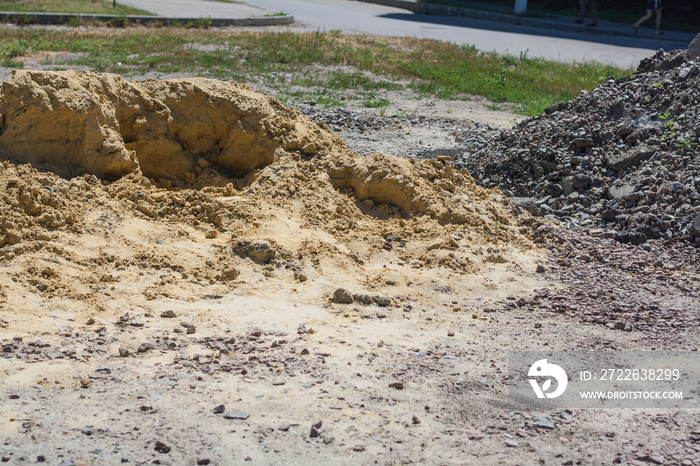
(621, 158)
(259, 251)
(161, 447)
(546, 422)
(240, 415)
(342, 296)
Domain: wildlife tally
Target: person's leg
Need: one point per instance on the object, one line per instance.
(644, 18)
(594, 13)
(581, 11)
(658, 21)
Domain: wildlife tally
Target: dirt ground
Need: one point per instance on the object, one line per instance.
(141, 327)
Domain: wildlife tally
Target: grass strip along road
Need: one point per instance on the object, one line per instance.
(284, 59)
(96, 7)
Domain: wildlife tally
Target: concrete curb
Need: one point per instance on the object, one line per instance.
(68, 18)
(544, 23)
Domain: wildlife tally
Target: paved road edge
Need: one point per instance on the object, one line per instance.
(70, 18)
(445, 10)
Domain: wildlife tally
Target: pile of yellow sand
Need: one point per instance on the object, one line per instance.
(219, 157)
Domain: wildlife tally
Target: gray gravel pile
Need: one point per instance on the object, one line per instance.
(620, 161)
(364, 131)
(339, 118)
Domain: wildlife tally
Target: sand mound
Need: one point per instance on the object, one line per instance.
(168, 188)
(110, 127)
(201, 132)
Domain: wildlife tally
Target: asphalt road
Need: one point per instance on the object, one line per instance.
(359, 17)
(366, 18)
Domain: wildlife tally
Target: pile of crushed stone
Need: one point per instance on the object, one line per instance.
(621, 161)
(92, 155)
(365, 132)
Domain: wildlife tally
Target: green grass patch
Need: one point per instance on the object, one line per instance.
(429, 67)
(372, 101)
(69, 6)
(348, 80)
(533, 84)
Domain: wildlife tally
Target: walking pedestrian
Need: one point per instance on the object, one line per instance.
(653, 6)
(588, 4)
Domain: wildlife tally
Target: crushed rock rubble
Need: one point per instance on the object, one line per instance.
(355, 127)
(622, 286)
(620, 161)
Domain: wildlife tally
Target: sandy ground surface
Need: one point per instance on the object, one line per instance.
(139, 338)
